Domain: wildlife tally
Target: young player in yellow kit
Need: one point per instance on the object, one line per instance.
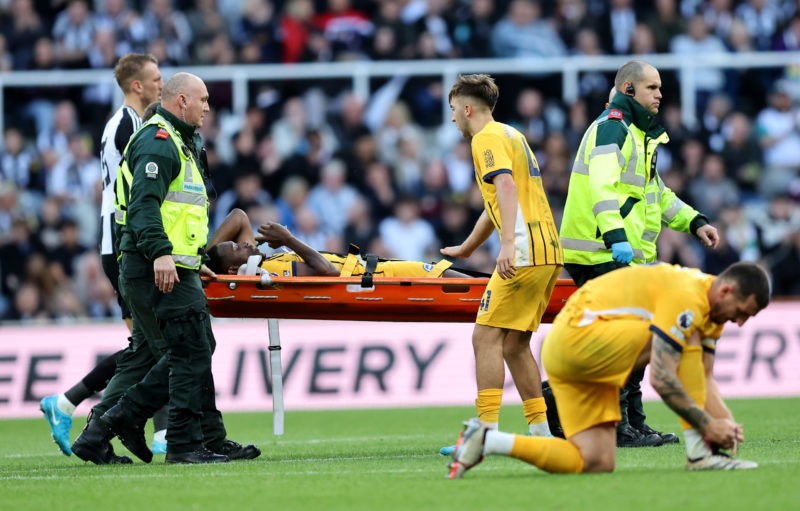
(662, 314)
(530, 257)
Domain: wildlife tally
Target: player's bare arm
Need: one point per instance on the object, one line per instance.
(507, 202)
(664, 360)
(277, 235)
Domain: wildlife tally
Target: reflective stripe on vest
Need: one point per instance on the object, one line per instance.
(184, 211)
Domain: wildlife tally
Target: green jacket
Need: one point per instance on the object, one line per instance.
(155, 163)
(665, 208)
(614, 191)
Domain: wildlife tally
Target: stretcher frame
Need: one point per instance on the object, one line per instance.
(397, 299)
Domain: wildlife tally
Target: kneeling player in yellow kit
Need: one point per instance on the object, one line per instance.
(662, 314)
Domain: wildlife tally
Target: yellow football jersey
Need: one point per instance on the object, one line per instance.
(284, 264)
(671, 298)
(499, 148)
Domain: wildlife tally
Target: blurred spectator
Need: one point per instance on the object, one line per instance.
(762, 18)
(295, 31)
(719, 16)
(245, 193)
(717, 109)
(28, 306)
(75, 177)
(293, 196)
(676, 247)
(740, 233)
(346, 28)
(22, 31)
(9, 211)
(571, 17)
(434, 191)
(713, 189)
(407, 236)
(472, 29)
(289, 132)
(775, 223)
(698, 41)
(256, 33)
(617, 26)
(62, 258)
(523, 33)
(168, 32)
(6, 60)
(789, 39)
(778, 131)
(332, 198)
(741, 154)
(530, 120)
(454, 225)
(50, 221)
(73, 34)
(785, 267)
(206, 24)
(309, 230)
(643, 41)
(19, 164)
(434, 29)
(380, 190)
(64, 124)
(125, 23)
(14, 255)
(361, 228)
(666, 23)
(460, 169)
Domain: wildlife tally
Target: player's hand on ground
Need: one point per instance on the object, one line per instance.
(723, 432)
(456, 251)
(505, 262)
(708, 235)
(274, 234)
(166, 274)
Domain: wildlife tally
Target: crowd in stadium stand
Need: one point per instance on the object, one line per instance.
(390, 176)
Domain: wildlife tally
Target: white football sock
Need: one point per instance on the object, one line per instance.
(498, 442)
(540, 429)
(696, 446)
(64, 404)
(160, 436)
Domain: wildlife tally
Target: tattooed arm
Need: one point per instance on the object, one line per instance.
(664, 360)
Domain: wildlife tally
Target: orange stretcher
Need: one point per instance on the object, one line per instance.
(347, 298)
(353, 299)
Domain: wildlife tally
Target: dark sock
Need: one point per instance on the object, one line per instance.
(160, 418)
(78, 393)
(95, 381)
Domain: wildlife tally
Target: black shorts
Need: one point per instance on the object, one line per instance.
(111, 268)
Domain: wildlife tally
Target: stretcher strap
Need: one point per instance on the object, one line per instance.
(369, 269)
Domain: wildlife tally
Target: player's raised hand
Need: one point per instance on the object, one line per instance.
(274, 234)
(456, 251)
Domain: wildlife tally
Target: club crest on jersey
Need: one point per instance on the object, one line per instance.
(162, 134)
(685, 319)
(427, 266)
(488, 158)
(151, 170)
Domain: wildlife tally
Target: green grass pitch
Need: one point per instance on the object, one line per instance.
(387, 460)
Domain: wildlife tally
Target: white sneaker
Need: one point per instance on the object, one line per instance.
(469, 448)
(719, 461)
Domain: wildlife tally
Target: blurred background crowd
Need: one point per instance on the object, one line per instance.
(387, 172)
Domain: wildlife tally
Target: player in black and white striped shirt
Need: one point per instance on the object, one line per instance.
(140, 80)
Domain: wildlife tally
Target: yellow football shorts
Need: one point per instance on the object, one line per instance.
(518, 303)
(587, 366)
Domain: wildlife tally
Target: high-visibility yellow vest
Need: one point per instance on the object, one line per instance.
(184, 212)
(663, 207)
(612, 196)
